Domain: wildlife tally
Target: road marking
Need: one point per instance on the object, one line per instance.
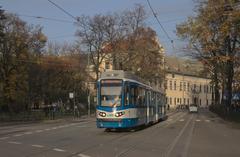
(47, 129)
(83, 155)
(54, 128)
(178, 115)
(28, 133)
(188, 140)
(38, 146)
(3, 138)
(14, 142)
(173, 144)
(83, 126)
(59, 150)
(198, 120)
(17, 135)
(181, 120)
(39, 131)
(170, 119)
(207, 120)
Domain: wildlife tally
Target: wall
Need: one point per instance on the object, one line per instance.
(188, 90)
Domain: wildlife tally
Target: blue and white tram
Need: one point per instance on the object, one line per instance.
(125, 102)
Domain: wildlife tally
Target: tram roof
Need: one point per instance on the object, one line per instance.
(125, 75)
(120, 74)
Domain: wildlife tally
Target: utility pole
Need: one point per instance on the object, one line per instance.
(88, 87)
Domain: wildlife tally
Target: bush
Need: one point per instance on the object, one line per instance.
(225, 113)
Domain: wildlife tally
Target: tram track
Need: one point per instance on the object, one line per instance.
(152, 129)
(132, 147)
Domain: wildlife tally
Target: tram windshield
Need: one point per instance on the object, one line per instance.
(111, 93)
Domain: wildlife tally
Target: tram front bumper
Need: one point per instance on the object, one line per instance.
(117, 123)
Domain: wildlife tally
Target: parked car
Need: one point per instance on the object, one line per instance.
(193, 108)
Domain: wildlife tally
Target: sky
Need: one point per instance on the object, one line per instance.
(169, 12)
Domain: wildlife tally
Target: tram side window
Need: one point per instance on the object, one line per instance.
(127, 93)
(133, 97)
(141, 96)
(137, 96)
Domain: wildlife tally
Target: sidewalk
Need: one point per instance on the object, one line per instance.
(50, 121)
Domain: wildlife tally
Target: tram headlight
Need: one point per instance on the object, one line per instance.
(119, 114)
(102, 114)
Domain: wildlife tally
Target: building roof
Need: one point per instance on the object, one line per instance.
(184, 66)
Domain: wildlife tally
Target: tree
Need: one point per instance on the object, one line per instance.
(102, 31)
(213, 37)
(142, 54)
(16, 50)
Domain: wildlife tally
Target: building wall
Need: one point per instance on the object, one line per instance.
(184, 89)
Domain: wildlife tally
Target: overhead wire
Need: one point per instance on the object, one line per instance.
(66, 12)
(155, 15)
(47, 18)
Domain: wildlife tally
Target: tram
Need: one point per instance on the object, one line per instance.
(123, 101)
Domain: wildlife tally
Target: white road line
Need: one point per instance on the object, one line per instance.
(38, 146)
(3, 138)
(188, 140)
(170, 119)
(59, 150)
(17, 135)
(14, 142)
(28, 133)
(83, 155)
(172, 145)
(198, 120)
(181, 120)
(39, 131)
(207, 120)
(47, 129)
(83, 126)
(54, 128)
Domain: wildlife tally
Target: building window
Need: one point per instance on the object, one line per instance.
(184, 101)
(207, 88)
(194, 87)
(200, 102)
(173, 75)
(166, 84)
(188, 86)
(180, 86)
(184, 86)
(107, 65)
(180, 100)
(175, 85)
(188, 101)
(200, 88)
(170, 85)
(170, 99)
(175, 101)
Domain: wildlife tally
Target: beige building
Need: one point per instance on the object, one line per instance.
(185, 84)
(186, 89)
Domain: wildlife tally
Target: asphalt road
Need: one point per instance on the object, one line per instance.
(181, 135)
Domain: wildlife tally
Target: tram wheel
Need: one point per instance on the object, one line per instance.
(107, 129)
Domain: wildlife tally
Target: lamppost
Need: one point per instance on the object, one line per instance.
(88, 87)
(184, 83)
